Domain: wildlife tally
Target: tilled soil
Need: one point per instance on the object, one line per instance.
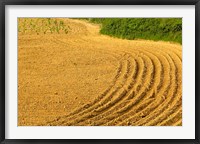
(83, 78)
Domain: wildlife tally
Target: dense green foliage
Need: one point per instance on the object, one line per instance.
(166, 29)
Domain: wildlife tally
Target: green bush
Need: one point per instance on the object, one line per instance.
(166, 29)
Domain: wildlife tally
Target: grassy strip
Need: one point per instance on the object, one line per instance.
(165, 29)
(41, 26)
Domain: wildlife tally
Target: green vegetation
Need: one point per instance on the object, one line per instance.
(166, 29)
(41, 26)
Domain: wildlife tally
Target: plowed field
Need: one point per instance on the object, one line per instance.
(83, 78)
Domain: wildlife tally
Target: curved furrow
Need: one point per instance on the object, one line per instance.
(147, 93)
(146, 90)
(175, 101)
(161, 105)
(114, 120)
(104, 99)
(173, 118)
(117, 104)
(111, 103)
(179, 55)
(111, 100)
(133, 101)
(86, 106)
(133, 116)
(129, 83)
(175, 50)
(149, 96)
(178, 123)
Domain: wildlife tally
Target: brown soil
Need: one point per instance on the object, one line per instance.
(85, 78)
